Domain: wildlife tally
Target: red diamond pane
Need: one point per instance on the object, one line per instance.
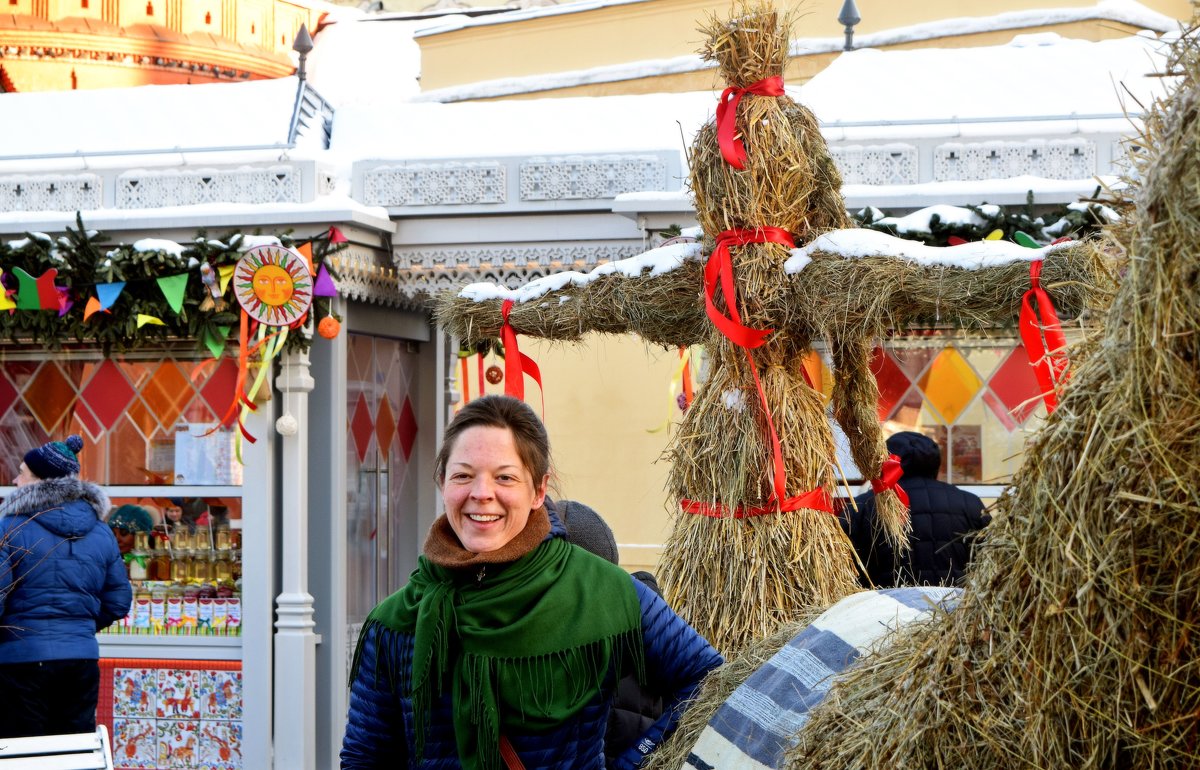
(892, 381)
(108, 394)
(407, 428)
(218, 392)
(361, 427)
(1016, 388)
(8, 395)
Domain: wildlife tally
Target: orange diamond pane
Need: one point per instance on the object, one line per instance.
(50, 396)
(166, 393)
(385, 427)
(950, 384)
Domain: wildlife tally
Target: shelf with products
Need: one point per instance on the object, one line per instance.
(184, 559)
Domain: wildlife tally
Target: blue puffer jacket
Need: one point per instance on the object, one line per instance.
(62, 578)
(380, 731)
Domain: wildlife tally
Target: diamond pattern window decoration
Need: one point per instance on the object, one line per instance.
(407, 428)
(974, 397)
(128, 410)
(385, 427)
(361, 427)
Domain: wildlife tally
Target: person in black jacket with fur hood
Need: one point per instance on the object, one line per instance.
(944, 522)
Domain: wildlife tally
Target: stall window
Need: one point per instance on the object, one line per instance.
(145, 420)
(977, 398)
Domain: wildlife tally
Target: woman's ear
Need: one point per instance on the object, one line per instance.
(540, 492)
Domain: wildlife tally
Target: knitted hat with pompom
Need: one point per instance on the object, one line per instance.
(55, 459)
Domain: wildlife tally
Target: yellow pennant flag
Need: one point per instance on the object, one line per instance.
(144, 319)
(226, 272)
(994, 235)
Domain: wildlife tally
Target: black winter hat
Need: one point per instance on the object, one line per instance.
(55, 459)
(587, 530)
(919, 455)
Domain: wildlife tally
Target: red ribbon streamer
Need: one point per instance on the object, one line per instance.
(1043, 337)
(732, 148)
(516, 363)
(479, 368)
(466, 381)
(816, 500)
(719, 270)
(889, 478)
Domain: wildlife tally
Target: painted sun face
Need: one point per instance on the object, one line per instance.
(273, 285)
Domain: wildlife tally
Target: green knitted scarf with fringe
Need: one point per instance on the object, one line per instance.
(522, 650)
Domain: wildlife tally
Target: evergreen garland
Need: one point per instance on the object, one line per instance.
(83, 260)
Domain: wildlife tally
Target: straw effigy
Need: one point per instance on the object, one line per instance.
(735, 577)
(1077, 642)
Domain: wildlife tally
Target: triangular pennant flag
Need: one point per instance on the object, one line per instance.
(107, 293)
(1026, 240)
(173, 287)
(994, 235)
(324, 287)
(36, 293)
(143, 319)
(306, 252)
(91, 308)
(65, 303)
(226, 272)
(6, 302)
(954, 240)
(214, 343)
(336, 237)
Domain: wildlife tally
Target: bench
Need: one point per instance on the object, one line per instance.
(77, 751)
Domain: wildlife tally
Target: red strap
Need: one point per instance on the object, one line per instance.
(511, 760)
(480, 372)
(516, 363)
(732, 148)
(466, 381)
(889, 478)
(815, 500)
(1042, 335)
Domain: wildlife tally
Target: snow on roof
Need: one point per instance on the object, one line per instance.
(142, 118)
(1032, 78)
(609, 124)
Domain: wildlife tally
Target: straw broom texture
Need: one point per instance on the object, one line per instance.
(1076, 643)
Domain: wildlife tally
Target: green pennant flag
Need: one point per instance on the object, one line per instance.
(173, 287)
(215, 344)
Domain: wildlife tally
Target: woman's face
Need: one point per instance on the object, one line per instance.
(489, 492)
(173, 513)
(125, 538)
(24, 476)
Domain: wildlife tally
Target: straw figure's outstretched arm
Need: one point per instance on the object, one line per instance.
(655, 294)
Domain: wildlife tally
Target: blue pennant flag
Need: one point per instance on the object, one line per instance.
(107, 293)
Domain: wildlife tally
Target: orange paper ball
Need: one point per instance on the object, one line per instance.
(329, 327)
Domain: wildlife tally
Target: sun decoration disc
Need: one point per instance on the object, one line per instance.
(273, 285)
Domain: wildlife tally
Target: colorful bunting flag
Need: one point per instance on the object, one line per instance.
(336, 237)
(92, 307)
(324, 287)
(143, 319)
(65, 303)
(214, 343)
(306, 252)
(226, 272)
(6, 302)
(37, 293)
(107, 293)
(173, 287)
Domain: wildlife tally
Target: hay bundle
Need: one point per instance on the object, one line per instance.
(1076, 644)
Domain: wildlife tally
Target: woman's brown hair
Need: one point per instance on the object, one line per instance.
(529, 434)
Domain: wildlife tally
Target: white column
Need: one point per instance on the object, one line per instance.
(295, 641)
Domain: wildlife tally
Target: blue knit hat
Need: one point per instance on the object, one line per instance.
(55, 459)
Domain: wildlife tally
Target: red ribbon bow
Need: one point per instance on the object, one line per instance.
(516, 363)
(889, 478)
(732, 148)
(815, 499)
(1042, 335)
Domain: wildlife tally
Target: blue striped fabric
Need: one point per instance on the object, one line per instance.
(755, 726)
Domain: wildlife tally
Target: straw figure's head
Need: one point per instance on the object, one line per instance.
(788, 179)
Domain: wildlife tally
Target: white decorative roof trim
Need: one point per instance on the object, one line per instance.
(51, 192)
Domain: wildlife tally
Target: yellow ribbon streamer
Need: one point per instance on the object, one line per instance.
(676, 382)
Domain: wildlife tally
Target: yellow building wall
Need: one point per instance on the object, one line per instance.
(665, 29)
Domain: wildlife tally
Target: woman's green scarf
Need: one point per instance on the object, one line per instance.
(522, 648)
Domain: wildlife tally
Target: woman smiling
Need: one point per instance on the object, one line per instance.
(504, 648)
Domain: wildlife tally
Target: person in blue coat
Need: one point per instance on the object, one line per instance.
(62, 579)
(504, 648)
(945, 522)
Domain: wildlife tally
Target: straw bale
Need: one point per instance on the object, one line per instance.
(1077, 642)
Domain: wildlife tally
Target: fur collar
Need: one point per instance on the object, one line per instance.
(50, 493)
